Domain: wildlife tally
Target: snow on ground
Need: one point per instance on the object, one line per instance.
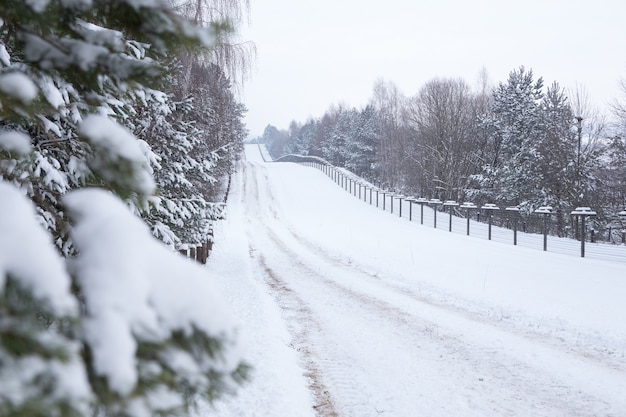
(351, 311)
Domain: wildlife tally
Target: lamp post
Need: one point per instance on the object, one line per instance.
(435, 202)
(421, 201)
(514, 210)
(451, 204)
(489, 209)
(545, 211)
(583, 213)
(468, 206)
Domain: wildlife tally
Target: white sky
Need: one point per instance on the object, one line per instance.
(318, 53)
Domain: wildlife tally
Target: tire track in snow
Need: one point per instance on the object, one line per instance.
(300, 323)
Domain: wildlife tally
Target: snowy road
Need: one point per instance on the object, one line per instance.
(374, 331)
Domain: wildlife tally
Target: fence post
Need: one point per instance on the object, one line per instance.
(468, 206)
(435, 202)
(545, 211)
(490, 208)
(421, 201)
(451, 204)
(583, 213)
(514, 210)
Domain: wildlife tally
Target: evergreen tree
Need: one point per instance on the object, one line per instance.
(515, 126)
(556, 157)
(71, 74)
(362, 144)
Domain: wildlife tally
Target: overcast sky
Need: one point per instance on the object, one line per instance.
(314, 54)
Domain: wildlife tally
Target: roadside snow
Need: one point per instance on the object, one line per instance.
(278, 386)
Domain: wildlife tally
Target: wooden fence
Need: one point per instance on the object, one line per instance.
(202, 252)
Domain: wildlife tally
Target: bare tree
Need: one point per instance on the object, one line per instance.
(234, 57)
(442, 150)
(390, 106)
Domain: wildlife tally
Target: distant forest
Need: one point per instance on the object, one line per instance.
(520, 143)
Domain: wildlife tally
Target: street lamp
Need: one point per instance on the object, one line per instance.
(490, 208)
(545, 211)
(468, 206)
(435, 202)
(583, 213)
(421, 201)
(451, 204)
(514, 210)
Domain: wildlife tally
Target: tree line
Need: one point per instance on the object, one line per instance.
(520, 143)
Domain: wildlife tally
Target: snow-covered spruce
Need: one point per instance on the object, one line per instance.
(158, 335)
(41, 369)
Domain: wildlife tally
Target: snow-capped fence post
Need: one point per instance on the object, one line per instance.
(199, 254)
(468, 206)
(384, 198)
(411, 200)
(421, 201)
(622, 215)
(392, 195)
(451, 204)
(400, 198)
(489, 209)
(435, 202)
(583, 213)
(514, 212)
(545, 211)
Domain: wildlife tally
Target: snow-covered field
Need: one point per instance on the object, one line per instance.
(351, 311)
